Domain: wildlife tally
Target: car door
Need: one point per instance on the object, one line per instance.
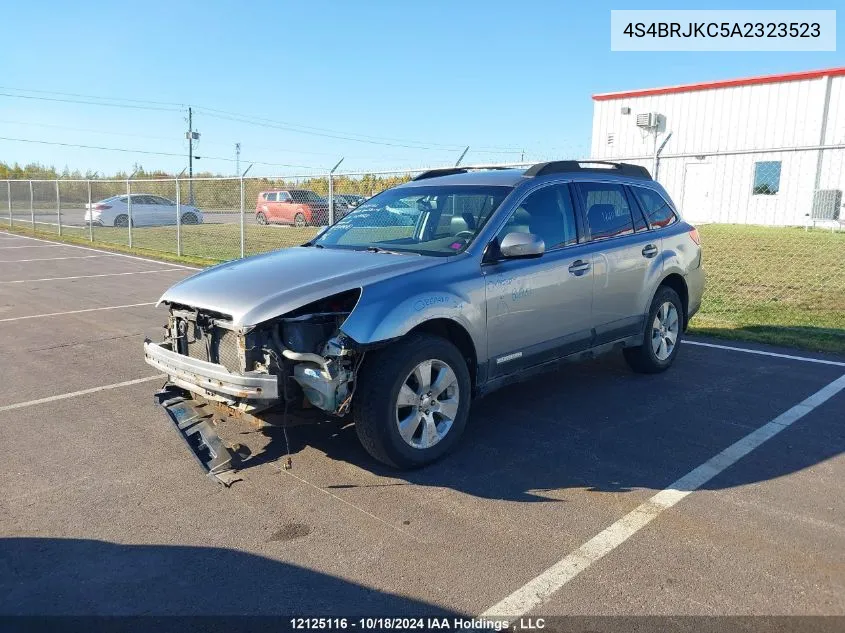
(285, 207)
(141, 210)
(623, 249)
(162, 211)
(540, 308)
(268, 206)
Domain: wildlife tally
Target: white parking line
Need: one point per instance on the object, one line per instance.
(50, 259)
(805, 359)
(538, 590)
(52, 314)
(4, 248)
(83, 392)
(137, 272)
(96, 250)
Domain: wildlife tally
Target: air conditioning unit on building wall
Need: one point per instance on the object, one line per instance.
(648, 120)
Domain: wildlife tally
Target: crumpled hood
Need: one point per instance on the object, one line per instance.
(262, 287)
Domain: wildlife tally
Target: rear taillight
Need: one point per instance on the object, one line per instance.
(101, 207)
(694, 236)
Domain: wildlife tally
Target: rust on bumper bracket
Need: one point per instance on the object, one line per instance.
(194, 424)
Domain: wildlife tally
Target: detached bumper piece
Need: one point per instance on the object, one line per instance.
(194, 425)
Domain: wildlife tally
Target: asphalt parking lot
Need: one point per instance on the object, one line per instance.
(715, 488)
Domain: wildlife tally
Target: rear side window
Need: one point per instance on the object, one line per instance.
(655, 207)
(608, 212)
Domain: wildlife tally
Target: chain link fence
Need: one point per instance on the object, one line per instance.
(771, 223)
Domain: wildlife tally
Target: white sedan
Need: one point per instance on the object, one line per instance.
(146, 210)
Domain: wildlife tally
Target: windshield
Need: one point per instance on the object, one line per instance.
(426, 220)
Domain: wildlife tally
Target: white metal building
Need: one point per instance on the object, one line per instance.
(759, 150)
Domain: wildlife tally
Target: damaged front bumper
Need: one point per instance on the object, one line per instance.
(209, 379)
(195, 425)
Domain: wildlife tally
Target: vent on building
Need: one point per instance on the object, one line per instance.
(826, 204)
(648, 119)
(626, 110)
(610, 138)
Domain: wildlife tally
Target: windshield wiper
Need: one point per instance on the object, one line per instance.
(379, 249)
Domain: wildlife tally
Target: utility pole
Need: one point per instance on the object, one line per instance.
(191, 136)
(190, 156)
(237, 158)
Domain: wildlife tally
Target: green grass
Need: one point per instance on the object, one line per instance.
(202, 244)
(783, 286)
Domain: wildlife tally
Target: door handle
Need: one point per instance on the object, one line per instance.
(649, 250)
(579, 267)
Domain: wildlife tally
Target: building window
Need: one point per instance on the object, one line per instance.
(766, 177)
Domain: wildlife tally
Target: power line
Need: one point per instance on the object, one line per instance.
(167, 106)
(88, 130)
(287, 128)
(141, 151)
(307, 128)
(76, 94)
(111, 105)
(329, 133)
(171, 140)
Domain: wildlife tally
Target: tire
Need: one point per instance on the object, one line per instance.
(299, 220)
(189, 218)
(377, 412)
(665, 321)
(122, 221)
(261, 218)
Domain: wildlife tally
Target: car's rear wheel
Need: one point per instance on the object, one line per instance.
(299, 220)
(664, 329)
(189, 218)
(261, 218)
(412, 401)
(122, 220)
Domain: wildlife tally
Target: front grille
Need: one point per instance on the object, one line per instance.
(224, 347)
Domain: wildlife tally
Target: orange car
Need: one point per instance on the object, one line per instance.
(299, 207)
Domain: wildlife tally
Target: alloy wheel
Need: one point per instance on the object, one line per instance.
(427, 404)
(664, 331)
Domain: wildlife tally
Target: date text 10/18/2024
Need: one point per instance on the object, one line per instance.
(419, 624)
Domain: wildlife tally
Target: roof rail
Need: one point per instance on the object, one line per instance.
(563, 166)
(450, 171)
(443, 171)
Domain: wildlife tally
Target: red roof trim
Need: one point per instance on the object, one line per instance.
(727, 83)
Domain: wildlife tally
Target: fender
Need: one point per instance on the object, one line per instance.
(379, 317)
(659, 268)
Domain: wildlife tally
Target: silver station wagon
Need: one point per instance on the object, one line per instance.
(398, 320)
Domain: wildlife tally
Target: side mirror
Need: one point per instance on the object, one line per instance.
(518, 245)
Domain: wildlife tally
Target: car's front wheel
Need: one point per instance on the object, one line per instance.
(412, 401)
(664, 328)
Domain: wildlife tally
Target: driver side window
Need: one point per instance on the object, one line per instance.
(547, 213)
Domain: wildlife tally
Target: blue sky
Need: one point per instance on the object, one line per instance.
(415, 81)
